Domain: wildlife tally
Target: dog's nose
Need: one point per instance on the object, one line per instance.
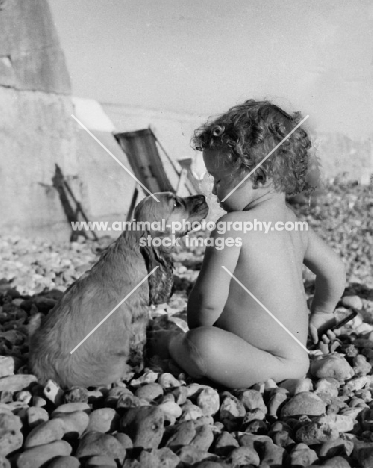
(201, 198)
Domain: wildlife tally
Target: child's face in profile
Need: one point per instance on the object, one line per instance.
(219, 167)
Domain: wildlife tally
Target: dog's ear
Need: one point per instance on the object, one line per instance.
(160, 282)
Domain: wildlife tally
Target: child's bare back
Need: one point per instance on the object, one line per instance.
(270, 267)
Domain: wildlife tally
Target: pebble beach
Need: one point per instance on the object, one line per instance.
(160, 417)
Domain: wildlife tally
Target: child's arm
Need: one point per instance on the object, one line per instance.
(330, 281)
(209, 295)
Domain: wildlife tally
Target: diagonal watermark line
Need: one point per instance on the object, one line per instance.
(114, 157)
(265, 308)
(115, 308)
(268, 155)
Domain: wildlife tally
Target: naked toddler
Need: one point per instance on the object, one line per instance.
(232, 340)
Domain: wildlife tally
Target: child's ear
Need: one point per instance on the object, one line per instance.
(260, 177)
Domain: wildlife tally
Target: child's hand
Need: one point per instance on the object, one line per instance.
(320, 323)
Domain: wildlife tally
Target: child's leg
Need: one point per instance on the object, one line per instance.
(230, 361)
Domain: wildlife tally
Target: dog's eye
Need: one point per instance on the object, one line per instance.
(176, 203)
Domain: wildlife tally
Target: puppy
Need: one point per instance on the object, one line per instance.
(104, 356)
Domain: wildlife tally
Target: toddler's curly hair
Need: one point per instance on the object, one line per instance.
(249, 131)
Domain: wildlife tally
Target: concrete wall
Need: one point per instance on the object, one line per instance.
(36, 130)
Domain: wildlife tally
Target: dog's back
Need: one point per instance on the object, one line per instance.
(101, 359)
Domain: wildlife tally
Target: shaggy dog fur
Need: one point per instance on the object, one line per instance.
(103, 358)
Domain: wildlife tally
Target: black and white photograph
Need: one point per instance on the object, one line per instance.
(186, 234)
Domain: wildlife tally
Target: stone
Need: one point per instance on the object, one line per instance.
(301, 455)
(38, 401)
(350, 350)
(74, 424)
(305, 403)
(252, 400)
(183, 435)
(277, 397)
(36, 415)
(97, 443)
(352, 302)
(64, 462)
(294, 386)
(95, 397)
(209, 401)
(194, 388)
(103, 420)
(282, 438)
(168, 398)
(352, 413)
(190, 455)
(16, 383)
(190, 412)
(243, 456)
(76, 395)
(225, 443)
(365, 457)
(36, 457)
(115, 394)
(361, 365)
(338, 422)
(207, 421)
(336, 447)
(72, 408)
(44, 433)
(149, 391)
(332, 366)
(146, 460)
(355, 384)
(328, 386)
(128, 400)
(147, 377)
(24, 397)
(53, 392)
(6, 366)
(256, 426)
(101, 460)
(280, 426)
(254, 415)
(366, 418)
(171, 410)
(256, 442)
(167, 458)
(272, 455)
(208, 464)
(124, 439)
(167, 380)
(231, 412)
(269, 384)
(4, 463)
(180, 394)
(203, 439)
(336, 405)
(145, 426)
(11, 437)
(337, 462)
(315, 433)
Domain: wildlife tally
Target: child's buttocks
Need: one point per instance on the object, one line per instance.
(270, 267)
